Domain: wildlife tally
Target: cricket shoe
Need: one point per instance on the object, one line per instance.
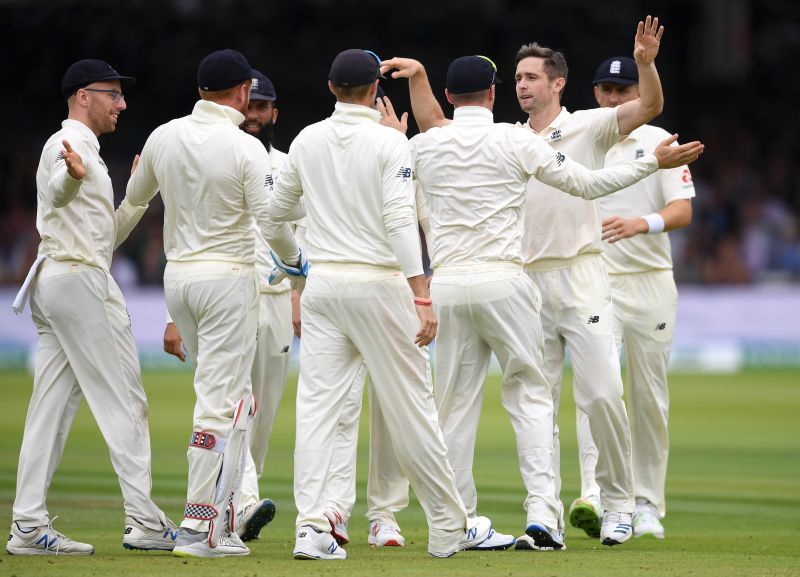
(494, 542)
(139, 536)
(311, 543)
(43, 540)
(338, 526)
(587, 513)
(253, 518)
(616, 528)
(646, 522)
(192, 543)
(385, 535)
(543, 538)
(478, 530)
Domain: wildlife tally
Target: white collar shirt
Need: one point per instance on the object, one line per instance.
(75, 218)
(643, 252)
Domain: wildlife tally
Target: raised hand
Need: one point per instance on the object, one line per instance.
(647, 40)
(674, 156)
(402, 67)
(74, 162)
(389, 116)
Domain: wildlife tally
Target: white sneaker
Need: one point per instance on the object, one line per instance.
(139, 536)
(192, 543)
(646, 522)
(587, 513)
(43, 540)
(338, 526)
(385, 535)
(616, 528)
(313, 544)
(494, 542)
(478, 529)
(544, 538)
(253, 518)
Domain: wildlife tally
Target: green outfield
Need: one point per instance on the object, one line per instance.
(733, 492)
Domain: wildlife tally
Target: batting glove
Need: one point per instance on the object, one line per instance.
(295, 273)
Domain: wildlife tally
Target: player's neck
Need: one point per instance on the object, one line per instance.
(540, 120)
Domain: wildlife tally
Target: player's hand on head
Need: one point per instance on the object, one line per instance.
(172, 342)
(617, 228)
(73, 160)
(671, 155)
(401, 67)
(647, 40)
(389, 116)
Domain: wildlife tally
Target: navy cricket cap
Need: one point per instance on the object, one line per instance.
(471, 74)
(262, 88)
(223, 69)
(84, 72)
(354, 67)
(617, 70)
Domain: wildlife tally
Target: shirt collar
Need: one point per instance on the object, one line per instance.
(556, 122)
(208, 111)
(354, 113)
(473, 115)
(83, 129)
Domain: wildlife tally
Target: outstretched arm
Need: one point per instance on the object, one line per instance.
(650, 103)
(427, 111)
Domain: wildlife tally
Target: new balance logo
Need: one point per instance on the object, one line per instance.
(472, 533)
(302, 534)
(285, 349)
(128, 530)
(593, 320)
(59, 157)
(616, 67)
(560, 158)
(404, 172)
(661, 326)
(555, 135)
(639, 153)
(48, 543)
(173, 535)
(268, 180)
(332, 548)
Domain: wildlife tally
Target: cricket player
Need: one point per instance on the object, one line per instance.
(638, 257)
(274, 340)
(86, 348)
(366, 299)
(214, 179)
(474, 174)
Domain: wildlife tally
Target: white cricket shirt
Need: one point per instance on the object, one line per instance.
(214, 179)
(558, 226)
(643, 252)
(474, 174)
(355, 179)
(264, 264)
(75, 218)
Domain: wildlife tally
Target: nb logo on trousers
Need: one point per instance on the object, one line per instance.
(593, 319)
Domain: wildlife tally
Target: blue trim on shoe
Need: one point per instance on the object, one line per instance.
(542, 537)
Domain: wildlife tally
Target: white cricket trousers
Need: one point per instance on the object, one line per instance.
(577, 314)
(215, 306)
(86, 349)
(645, 306)
(485, 308)
(352, 313)
(268, 376)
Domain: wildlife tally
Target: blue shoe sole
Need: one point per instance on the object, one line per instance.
(263, 516)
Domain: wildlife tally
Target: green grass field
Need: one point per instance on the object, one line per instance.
(733, 492)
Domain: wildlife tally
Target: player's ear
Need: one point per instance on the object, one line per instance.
(331, 88)
(274, 115)
(448, 96)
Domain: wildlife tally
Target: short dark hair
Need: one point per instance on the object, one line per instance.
(352, 92)
(468, 97)
(555, 64)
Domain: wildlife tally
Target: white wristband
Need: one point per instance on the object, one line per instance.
(655, 223)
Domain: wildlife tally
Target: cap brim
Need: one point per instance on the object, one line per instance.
(261, 97)
(614, 80)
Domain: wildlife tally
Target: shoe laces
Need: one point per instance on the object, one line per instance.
(613, 517)
(59, 535)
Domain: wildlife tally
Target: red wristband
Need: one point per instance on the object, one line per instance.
(421, 302)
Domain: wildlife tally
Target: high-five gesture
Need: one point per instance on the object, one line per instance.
(73, 161)
(389, 116)
(647, 41)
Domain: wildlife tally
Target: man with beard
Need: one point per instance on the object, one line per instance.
(274, 340)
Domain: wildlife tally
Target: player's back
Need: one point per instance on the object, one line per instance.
(355, 179)
(203, 163)
(474, 188)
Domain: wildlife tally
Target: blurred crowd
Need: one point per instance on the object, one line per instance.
(739, 99)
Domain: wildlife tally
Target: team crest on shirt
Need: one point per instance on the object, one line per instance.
(639, 153)
(555, 135)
